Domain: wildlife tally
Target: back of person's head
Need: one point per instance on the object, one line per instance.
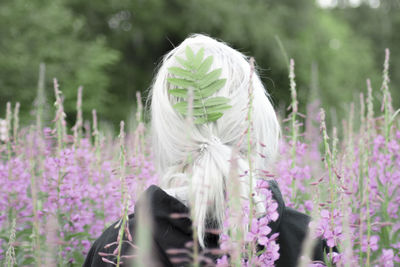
(196, 157)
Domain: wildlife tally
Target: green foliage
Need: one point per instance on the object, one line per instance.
(47, 31)
(379, 26)
(196, 74)
(112, 49)
(309, 35)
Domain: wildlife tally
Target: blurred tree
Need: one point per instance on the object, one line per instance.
(79, 40)
(379, 21)
(46, 31)
(145, 30)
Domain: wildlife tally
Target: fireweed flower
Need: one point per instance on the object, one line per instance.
(387, 258)
(373, 243)
(325, 230)
(84, 196)
(83, 189)
(89, 205)
(258, 234)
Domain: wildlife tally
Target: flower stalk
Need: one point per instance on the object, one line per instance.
(124, 194)
(293, 120)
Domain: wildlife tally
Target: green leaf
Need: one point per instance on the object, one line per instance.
(218, 100)
(212, 88)
(209, 78)
(182, 107)
(28, 261)
(200, 120)
(78, 257)
(214, 116)
(68, 237)
(197, 103)
(204, 67)
(219, 108)
(182, 73)
(180, 82)
(23, 233)
(198, 111)
(183, 62)
(210, 118)
(189, 54)
(178, 92)
(198, 59)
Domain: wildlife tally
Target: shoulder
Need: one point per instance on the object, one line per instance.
(292, 227)
(292, 233)
(106, 243)
(167, 231)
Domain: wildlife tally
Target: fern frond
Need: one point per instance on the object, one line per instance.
(195, 73)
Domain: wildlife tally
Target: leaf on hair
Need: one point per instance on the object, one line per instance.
(178, 92)
(195, 73)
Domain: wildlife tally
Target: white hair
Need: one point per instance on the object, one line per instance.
(210, 145)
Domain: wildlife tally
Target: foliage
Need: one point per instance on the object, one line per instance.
(378, 27)
(115, 45)
(46, 31)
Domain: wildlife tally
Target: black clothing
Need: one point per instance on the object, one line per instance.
(170, 233)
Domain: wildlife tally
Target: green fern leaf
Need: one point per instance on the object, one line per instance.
(216, 109)
(182, 107)
(183, 62)
(195, 73)
(219, 100)
(182, 73)
(198, 59)
(212, 88)
(201, 120)
(210, 118)
(209, 78)
(204, 67)
(178, 92)
(189, 54)
(214, 116)
(180, 82)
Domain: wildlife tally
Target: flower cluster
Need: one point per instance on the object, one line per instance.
(71, 185)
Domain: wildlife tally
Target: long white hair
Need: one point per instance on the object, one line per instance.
(200, 182)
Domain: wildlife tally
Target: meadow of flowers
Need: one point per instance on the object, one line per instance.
(60, 188)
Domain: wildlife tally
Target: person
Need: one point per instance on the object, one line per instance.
(193, 159)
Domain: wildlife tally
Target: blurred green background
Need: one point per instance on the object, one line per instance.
(112, 47)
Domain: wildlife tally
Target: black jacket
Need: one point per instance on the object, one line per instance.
(171, 232)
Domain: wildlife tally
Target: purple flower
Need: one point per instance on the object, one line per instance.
(387, 258)
(373, 243)
(223, 262)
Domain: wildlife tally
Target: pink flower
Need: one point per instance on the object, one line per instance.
(223, 262)
(373, 243)
(387, 258)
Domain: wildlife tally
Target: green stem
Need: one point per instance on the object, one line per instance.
(294, 107)
(124, 197)
(249, 152)
(328, 162)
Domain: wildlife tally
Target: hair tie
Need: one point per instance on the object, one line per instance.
(213, 140)
(203, 147)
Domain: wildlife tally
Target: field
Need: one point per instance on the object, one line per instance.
(60, 188)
